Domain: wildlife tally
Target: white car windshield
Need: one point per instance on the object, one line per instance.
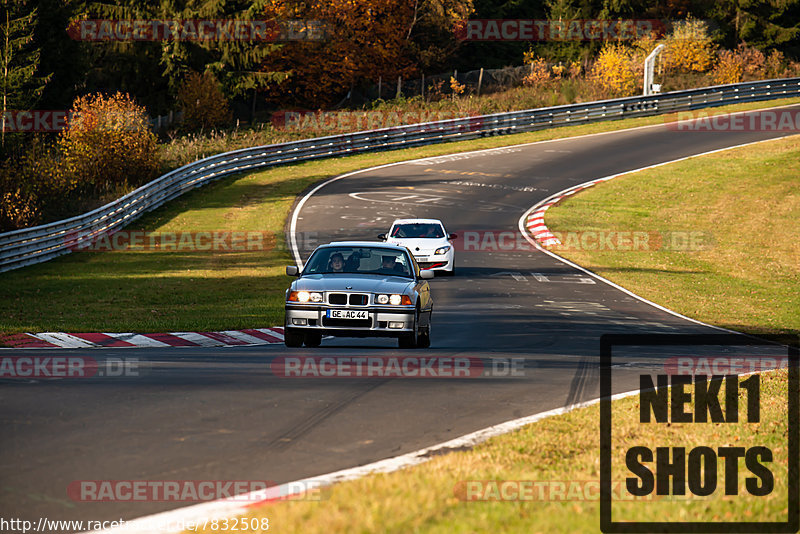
(418, 230)
(361, 260)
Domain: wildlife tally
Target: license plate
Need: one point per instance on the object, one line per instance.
(421, 258)
(348, 314)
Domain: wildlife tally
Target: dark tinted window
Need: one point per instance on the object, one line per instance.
(421, 230)
(359, 260)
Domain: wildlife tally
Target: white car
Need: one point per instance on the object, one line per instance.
(427, 240)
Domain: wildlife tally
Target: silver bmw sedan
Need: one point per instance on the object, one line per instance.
(359, 289)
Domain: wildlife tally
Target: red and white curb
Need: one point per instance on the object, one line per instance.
(225, 338)
(535, 219)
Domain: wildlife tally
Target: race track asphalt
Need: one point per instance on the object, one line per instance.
(221, 414)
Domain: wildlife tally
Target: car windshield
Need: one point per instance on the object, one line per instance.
(366, 260)
(418, 230)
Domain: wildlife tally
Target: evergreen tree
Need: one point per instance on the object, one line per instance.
(20, 84)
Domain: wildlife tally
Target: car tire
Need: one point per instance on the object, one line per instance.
(292, 338)
(411, 341)
(424, 340)
(313, 339)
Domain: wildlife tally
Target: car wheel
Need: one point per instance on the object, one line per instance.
(313, 339)
(424, 340)
(292, 338)
(410, 341)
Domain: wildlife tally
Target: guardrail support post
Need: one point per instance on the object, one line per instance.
(649, 63)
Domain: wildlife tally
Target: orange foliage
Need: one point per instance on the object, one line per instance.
(365, 39)
(108, 143)
(539, 75)
(729, 68)
(614, 70)
(689, 47)
(202, 101)
(746, 63)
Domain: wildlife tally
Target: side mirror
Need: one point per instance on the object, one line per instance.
(382, 237)
(452, 236)
(427, 274)
(292, 270)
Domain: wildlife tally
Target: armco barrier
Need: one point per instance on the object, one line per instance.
(41, 243)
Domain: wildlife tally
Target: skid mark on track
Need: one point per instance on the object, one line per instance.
(584, 382)
(300, 429)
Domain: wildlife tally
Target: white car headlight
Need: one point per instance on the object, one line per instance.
(442, 250)
(382, 299)
(395, 299)
(303, 296)
(316, 297)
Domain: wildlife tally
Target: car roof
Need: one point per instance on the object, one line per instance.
(417, 221)
(373, 244)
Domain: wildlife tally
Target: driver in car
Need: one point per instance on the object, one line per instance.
(337, 263)
(389, 263)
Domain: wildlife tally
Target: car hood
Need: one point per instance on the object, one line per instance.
(340, 282)
(425, 245)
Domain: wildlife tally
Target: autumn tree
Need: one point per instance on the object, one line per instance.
(202, 102)
(689, 48)
(107, 144)
(365, 40)
(614, 70)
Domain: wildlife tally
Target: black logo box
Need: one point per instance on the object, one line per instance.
(608, 342)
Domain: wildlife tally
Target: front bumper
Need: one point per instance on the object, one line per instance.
(376, 324)
(441, 262)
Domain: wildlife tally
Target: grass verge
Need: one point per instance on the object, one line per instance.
(443, 495)
(743, 207)
(148, 291)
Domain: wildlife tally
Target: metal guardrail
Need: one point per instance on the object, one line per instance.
(41, 243)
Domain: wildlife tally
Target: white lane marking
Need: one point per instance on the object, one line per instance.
(563, 279)
(139, 340)
(524, 218)
(64, 340)
(447, 158)
(296, 213)
(199, 339)
(247, 338)
(519, 277)
(242, 504)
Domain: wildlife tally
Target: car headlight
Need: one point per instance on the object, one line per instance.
(442, 250)
(394, 300)
(304, 296)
